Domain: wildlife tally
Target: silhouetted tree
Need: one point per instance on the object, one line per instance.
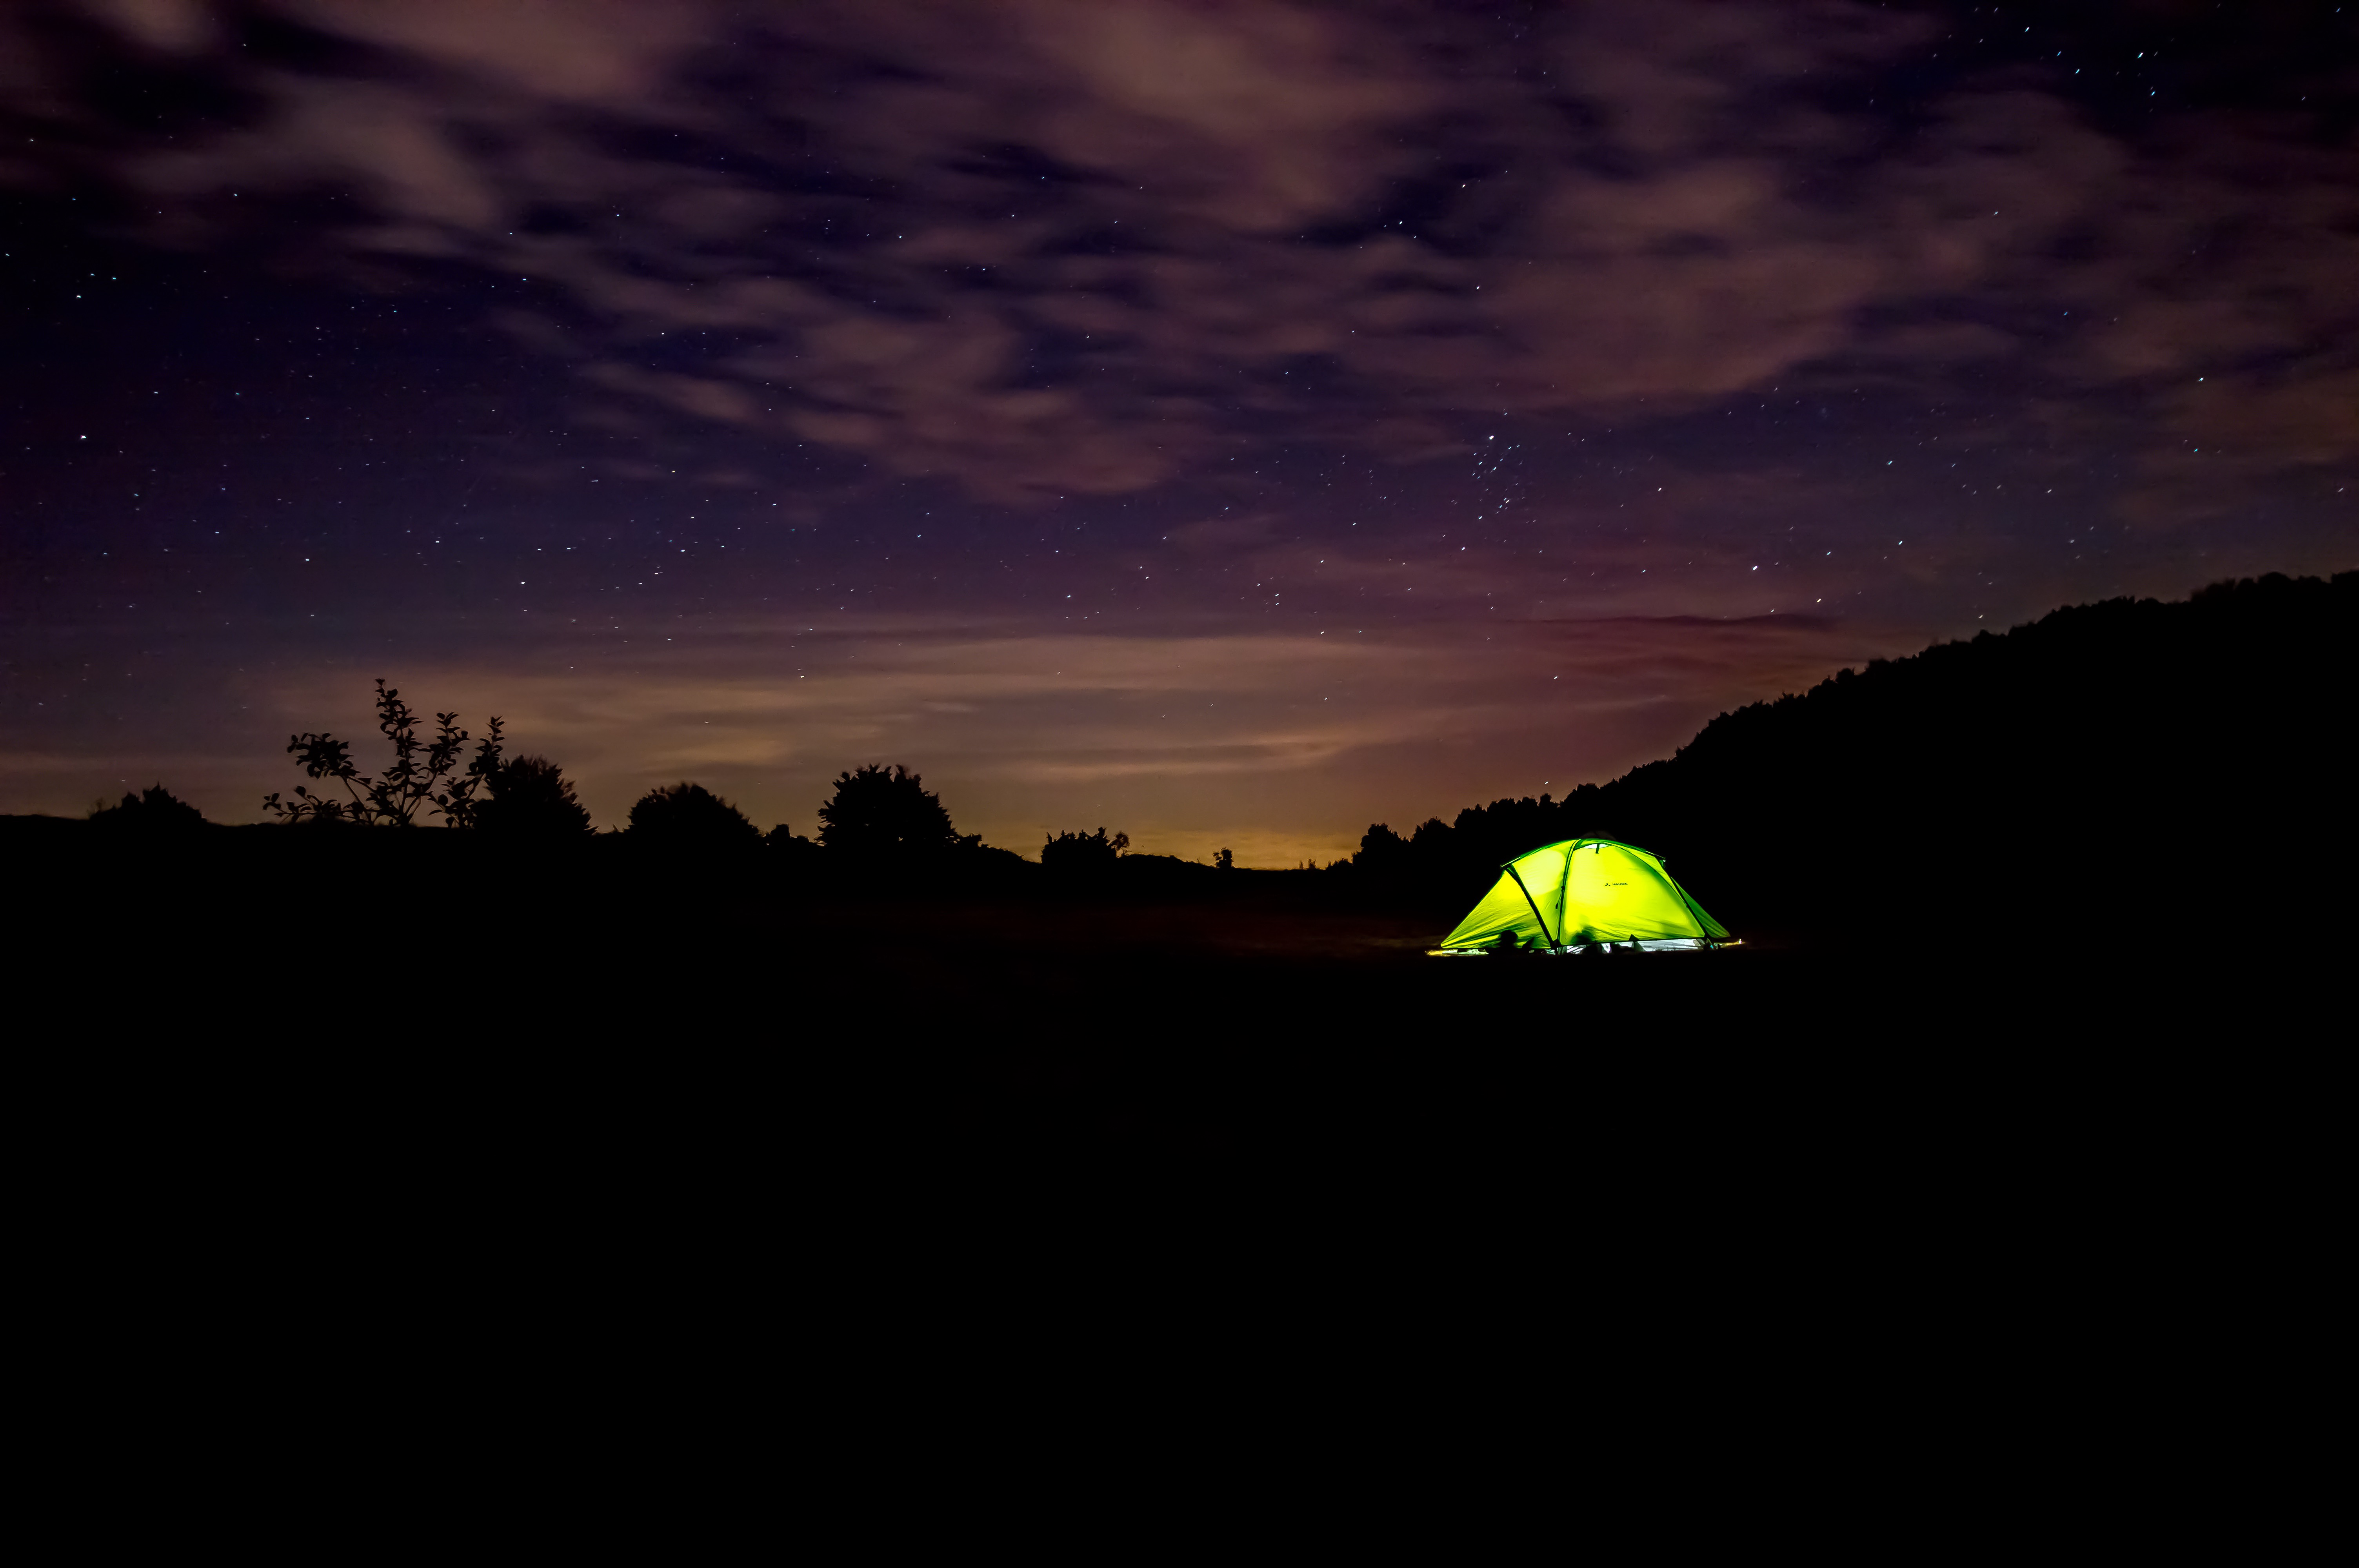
(422, 774)
(879, 811)
(787, 848)
(1083, 853)
(1223, 861)
(690, 817)
(532, 798)
(154, 810)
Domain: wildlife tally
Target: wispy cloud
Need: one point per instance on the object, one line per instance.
(1185, 742)
(1059, 246)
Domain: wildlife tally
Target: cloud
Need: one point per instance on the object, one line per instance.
(175, 27)
(1187, 739)
(612, 53)
(1174, 737)
(1069, 246)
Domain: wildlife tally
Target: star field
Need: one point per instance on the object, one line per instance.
(1231, 424)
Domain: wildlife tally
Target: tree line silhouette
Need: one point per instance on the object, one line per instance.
(2177, 769)
(2180, 770)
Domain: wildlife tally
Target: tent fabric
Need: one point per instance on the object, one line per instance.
(1584, 891)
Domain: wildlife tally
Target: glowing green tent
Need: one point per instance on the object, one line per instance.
(1586, 894)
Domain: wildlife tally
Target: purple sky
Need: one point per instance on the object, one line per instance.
(1233, 423)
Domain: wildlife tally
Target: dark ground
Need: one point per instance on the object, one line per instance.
(1245, 1022)
(518, 1170)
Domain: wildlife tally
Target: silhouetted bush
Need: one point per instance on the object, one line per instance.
(154, 810)
(690, 817)
(531, 798)
(880, 813)
(422, 773)
(1084, 854)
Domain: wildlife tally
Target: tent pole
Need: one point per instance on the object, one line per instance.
(1564, 894)
(1520, 888)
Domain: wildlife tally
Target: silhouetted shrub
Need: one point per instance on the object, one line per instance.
(531, 798)
(1082, 854)
(154, 810)
(690, 817)
(422, 773)
(886, 813)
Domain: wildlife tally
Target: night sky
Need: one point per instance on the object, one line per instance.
(1232, 423)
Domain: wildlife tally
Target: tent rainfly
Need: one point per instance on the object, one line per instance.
(1581, 895)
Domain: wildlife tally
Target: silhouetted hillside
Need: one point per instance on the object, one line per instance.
(2165, 772)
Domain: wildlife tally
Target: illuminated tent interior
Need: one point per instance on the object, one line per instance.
(1582, 895)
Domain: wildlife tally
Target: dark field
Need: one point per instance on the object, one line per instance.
(586, 1146)
(1259, 1017)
